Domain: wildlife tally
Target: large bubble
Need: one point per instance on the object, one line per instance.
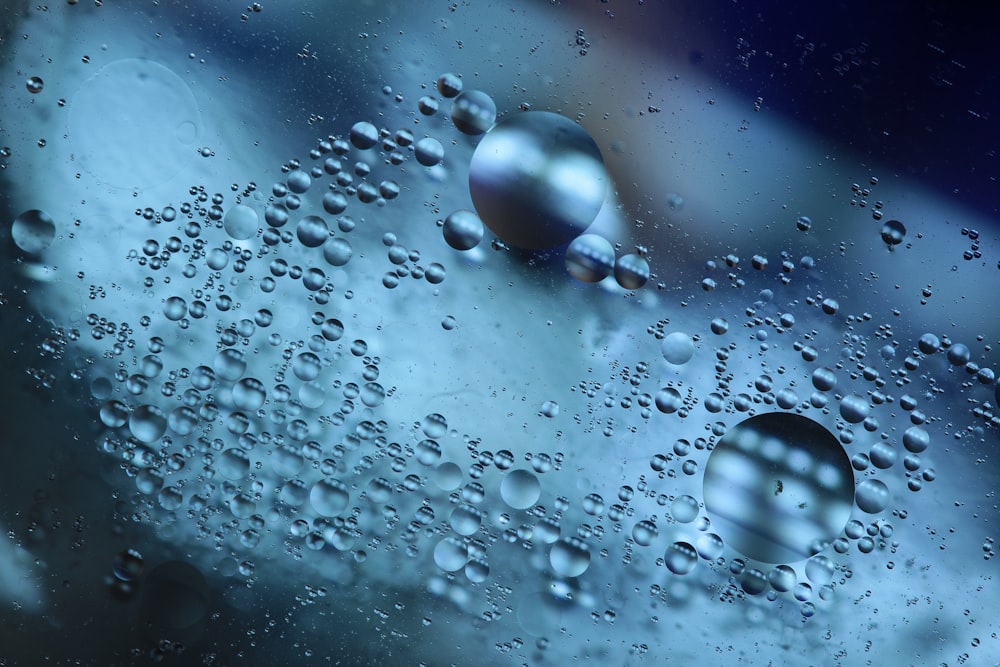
(537, 180)
(33, 231)
(778, 487)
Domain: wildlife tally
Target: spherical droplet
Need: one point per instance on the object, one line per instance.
(241, 222)
(872, 496)
(590, 258)
(463, 230)
(363, 135)
(428, 151)
(677, 348)
(33, 231)
(668, 400)
(778, 486)
(337, 251)
(520, 489)
(893, 232)
(449, 85)
(680, 558)
(473, 112)
(631, 271)
(854, 409)
(537, 180)
(569, 557)
(34, 84)
(329, 497)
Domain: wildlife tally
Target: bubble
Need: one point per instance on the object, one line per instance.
(590, 258)
(537, 180)
(332, 329)
(428, 151)
(520, 489)
(434, 426)
(820, 570)
(334, 203)
(127, 565)
(893, 232)
(710, 546)
(684, 509)
(449, 85)
(448, 476)
(778, 486)
(34, 84)
(306, 366)
(473, 112)
(882, 455)
(33, 231)
(174, 308)
(668, 400)
(249, 394)
(451, 554)
(569, 557)
(312, 231)
(782, 578)
(233, 464)
(958, 354)
(644, 533)
(329, 497)
(147, 423)
(230, 365)
(466, 519)
(363, 135)
(824, 379)
(631, 271)
(803, 224)
(872, 496)
(929, 343)
(241, 222)
(916, 439)
(299, 181)
(680, 558)
(854, 409)
(463, 230)
(677, 348)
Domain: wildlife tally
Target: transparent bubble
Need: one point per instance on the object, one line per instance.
(34, 84)
(958, 354)
(677, 348)
(174, 308)
(631, 271)
(824, 379)
(329, 497)
(537, 180)
(590, 258)
(782, 578)
(777, 485)
(680, 558)
(449, 85)
(312, 231)
(929, 343)
(668, 400)
(334, 203)
(872, 496)
(466, 519)
(299, 181)
(428, 151)
(434, 426)
(451, 554)
(893, 232)
(147, 423)
(916, 439)
(363, 135)
(230, 365)
(473, 112)
(233, 464)
(241, 222)
(854, 409)
(463, 230)
(520, 489)
(249, 394)
(710, 546)
(569, 557)
(820, 570)
(127, 565)
(332, 329)
(33, 231)
(684, 509)
(644, 533)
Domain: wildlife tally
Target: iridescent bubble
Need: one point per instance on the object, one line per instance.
(537, 180)
(677, 348)
(428, 151)
(473, 112)
(778, 486)
(872, 496)
(241, 222)
(590, 258)
(33, 231)
(680, 558)
(631, 271)
(520, 489)
(463, 230)
(569, 557)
